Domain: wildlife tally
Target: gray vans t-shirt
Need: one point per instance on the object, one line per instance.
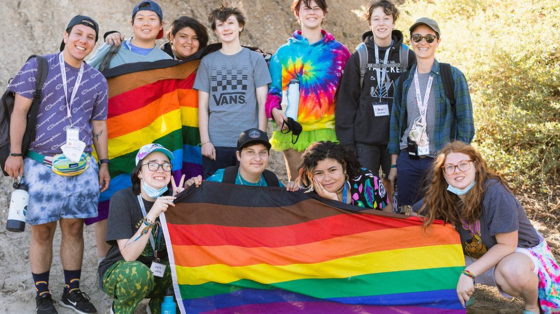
(231, 81)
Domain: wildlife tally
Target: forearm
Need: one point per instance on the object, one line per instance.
(203, 116)
(18, 123)
(100, 138)
(491, 258)
(261, 100)
(133, 247)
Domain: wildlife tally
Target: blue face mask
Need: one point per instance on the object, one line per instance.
(457, 191)
(153, 192)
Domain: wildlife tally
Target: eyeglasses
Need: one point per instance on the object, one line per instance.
(429, 38)
(154, 166)
(463, 165)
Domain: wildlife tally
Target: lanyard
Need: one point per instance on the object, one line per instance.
(381, 73)
(344, 192)
(152, 242)
(422, 105)
(64, 85)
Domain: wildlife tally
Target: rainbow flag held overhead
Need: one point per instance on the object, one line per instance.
(151, 102)
(239, 249)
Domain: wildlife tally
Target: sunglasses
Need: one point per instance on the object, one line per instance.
(429, 38)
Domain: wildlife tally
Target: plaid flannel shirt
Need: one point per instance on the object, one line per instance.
(464, 128)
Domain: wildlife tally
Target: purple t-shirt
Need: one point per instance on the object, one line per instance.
(90, 103)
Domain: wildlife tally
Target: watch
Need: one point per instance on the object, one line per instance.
(16, 155)
(104, 161)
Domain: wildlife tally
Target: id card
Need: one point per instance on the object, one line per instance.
(158, 269)
(381, 110)
(72, 134)
(423, 150)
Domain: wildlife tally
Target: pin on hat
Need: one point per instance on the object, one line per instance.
(148, 5)
(252, 136)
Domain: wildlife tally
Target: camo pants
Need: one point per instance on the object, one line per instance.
(128, 283)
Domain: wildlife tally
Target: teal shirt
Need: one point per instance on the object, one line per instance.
(218, 176)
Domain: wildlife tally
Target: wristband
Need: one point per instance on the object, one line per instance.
(104, 161)
(202, 144)
(468, 274)
(393, 166)
(16, 155)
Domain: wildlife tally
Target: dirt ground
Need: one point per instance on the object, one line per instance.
(36, 27)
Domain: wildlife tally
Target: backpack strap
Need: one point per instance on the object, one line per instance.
(449, 87)
(229, 174)
(41, 76)
(105, 63)
(403, 57)
(270, 178)
(363, 54)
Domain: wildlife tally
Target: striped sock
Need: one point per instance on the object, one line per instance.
(72, 280)
(41, 283)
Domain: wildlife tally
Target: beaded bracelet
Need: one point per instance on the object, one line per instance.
(468, 274)
(148, 223)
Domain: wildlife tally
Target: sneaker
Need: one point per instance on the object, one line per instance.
(45, 304)
(78, 301)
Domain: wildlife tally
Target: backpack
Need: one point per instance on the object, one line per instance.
(231, 172)
(364, 61)
(448, 87)
(7, 108)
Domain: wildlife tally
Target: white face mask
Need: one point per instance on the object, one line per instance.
(457, 191)
(151, 191)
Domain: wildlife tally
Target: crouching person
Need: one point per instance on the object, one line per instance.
(137, 266)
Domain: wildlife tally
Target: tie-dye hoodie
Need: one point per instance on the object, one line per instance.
(319, 68)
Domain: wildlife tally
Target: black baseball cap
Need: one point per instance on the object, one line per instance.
(83, 20)
(252, 136)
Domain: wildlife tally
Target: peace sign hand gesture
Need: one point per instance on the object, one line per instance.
(179, 187)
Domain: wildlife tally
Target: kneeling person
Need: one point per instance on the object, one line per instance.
(253, 151)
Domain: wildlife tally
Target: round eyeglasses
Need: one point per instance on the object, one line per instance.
(463, 165)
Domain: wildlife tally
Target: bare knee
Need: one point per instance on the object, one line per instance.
(43, 234)
(72, 228)
(516, 272)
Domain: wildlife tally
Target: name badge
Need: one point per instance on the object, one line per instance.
(423, 150)
(381, 110)
(72, 134)
(158, 269)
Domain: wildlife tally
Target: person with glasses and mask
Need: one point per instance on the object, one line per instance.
(137, 266)
(501, 246)
(423, 119)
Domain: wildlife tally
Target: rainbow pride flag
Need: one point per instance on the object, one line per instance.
(151, 102)
(238, 249)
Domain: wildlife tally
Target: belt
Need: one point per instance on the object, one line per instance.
(47, 160)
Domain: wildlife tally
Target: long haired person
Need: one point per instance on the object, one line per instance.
(501, 246)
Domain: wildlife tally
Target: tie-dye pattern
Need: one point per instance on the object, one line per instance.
(319, 68)
(549, 277)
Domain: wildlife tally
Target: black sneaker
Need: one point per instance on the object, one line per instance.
(45, 304)
(78, 301)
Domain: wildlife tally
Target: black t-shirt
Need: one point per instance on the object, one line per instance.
(125, 217)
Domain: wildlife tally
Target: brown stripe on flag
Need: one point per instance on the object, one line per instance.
(124, 83)
(239, 206)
